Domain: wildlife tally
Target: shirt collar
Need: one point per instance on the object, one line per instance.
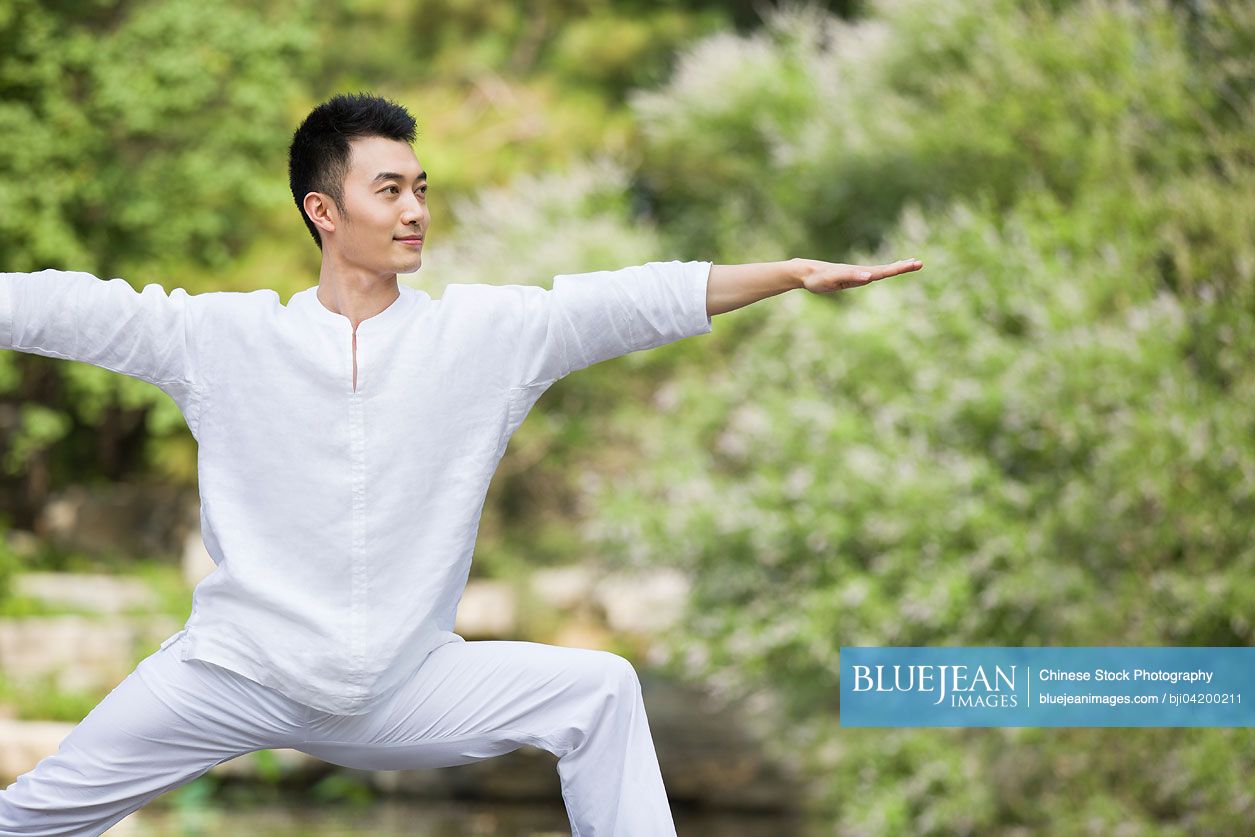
(308, 303)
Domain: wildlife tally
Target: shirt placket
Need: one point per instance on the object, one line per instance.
(357, 558)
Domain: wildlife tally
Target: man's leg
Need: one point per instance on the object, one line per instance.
(168, 722)
(476, 700)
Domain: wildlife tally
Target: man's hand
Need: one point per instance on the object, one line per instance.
(733, 286)
(826, 277)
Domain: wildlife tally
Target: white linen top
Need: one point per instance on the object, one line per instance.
(342, 522)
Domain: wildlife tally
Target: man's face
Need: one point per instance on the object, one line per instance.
(385, 194)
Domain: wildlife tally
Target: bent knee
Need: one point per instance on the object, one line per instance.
(617, 673)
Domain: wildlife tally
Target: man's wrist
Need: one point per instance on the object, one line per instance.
(733, 286)
(797, 270)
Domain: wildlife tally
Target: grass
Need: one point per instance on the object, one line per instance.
(41, 700)
(18, 607)
(173, 594)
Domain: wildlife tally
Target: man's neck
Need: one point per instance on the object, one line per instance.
(356, 297)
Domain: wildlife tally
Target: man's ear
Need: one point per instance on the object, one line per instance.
(320, 211)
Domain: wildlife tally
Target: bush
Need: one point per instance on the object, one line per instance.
(1043, 438)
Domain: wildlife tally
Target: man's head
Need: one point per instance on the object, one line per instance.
(358, 184)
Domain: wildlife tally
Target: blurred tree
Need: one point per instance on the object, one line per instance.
(1044, 437)
(139, 138)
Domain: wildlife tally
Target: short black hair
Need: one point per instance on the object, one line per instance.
(318, 158)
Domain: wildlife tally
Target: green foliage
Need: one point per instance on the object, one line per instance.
(269, 769)
(193, 805)
(10, 565)
(813, 134)
(174, 597)
(350, 788)
(138, 138)
(578, 41)
(14, 606)
(41, 700)
(40, 427)
(139, 130)
(1044, 437)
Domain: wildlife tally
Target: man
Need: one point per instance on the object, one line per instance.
(346, 444)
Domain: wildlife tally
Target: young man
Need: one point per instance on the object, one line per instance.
(346, 444)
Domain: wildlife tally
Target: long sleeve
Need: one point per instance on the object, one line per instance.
(77, 316)
(591, 317)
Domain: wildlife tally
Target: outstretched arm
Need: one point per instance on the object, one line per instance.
(734, 286)
(591, 317)
(77, 316)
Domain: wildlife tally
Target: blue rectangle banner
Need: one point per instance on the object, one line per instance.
(1099, 686)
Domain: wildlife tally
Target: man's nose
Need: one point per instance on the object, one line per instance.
(415, 210)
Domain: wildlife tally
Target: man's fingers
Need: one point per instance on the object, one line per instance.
(903, 266)
(855, 276)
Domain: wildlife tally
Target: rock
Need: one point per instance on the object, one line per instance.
(25, 544)
(636, 602)
(582, 633)
(527, 773)
(79, 653)
(196, 561)
(88, 591)
(486, 610)
(709, 756)
(132, 825)
(646, 602)
(118, 518)
(565, 588)
(24, 743)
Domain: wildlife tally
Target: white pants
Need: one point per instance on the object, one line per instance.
(170, 721)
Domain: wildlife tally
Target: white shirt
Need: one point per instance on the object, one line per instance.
(342, 523)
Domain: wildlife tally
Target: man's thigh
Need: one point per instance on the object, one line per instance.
(166, 723)
(476, 700)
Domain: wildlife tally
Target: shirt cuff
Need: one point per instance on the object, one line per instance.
(697, 274)
(6, 310)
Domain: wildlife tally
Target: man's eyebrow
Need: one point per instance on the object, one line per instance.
(391, 175)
